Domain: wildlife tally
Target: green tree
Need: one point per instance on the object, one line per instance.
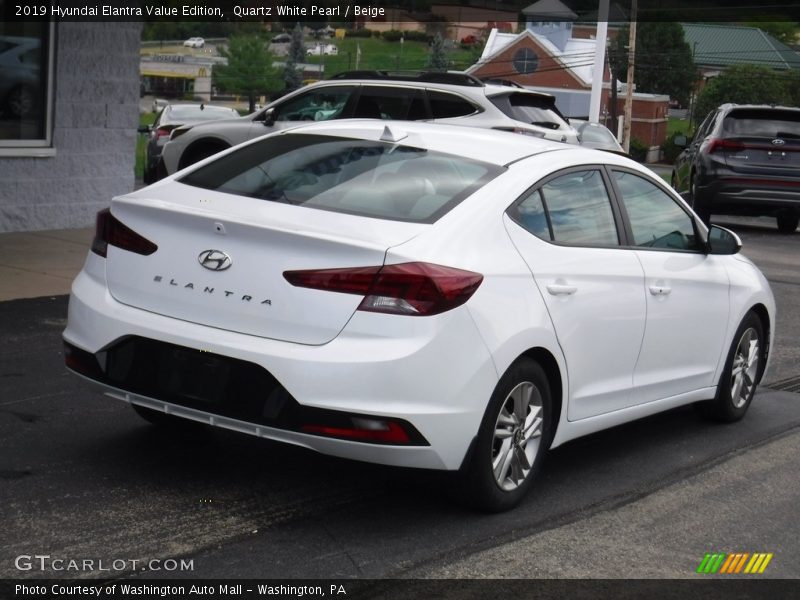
(437, 55)
(748, 84)
(664, 63)
(292, 78)
(249, 70)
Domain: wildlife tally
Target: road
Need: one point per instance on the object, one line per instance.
(82, 477)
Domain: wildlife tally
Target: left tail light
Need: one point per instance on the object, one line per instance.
(414, 289)
(109, 230)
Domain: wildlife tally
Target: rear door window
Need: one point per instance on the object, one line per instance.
(449, 106)
(383, 102)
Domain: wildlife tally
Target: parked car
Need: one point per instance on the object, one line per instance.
(744, 160)
(418, 295)
(195, 42)
(322, 49)
(170, 117)
(597, 136)
(20, 75)
(453, 98)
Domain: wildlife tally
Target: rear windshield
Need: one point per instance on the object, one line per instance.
(359, 177)
(763, 123)
(529, 108)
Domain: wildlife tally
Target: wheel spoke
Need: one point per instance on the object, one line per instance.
(502, 461)
(522, 458)
(522, 399)
(502, 433)
(532, 430)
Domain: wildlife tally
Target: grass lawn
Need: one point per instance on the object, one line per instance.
(678, 126)
(393, 56)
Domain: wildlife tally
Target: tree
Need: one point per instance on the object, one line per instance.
(748, 84)
(249, 70)
(664, 63)
(437, 55)
(292, 79)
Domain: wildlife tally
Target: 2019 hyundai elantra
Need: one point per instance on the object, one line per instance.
(418, 295)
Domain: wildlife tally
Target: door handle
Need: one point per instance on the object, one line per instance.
(660, 290)
(557, 289)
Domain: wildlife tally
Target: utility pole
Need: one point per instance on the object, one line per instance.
(626, 130)
(599, 62)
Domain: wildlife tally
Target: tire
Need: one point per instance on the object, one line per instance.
(698, 204)
(787, 223)
(507, 455)
(741, 375)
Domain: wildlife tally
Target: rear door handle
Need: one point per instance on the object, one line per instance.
(557, 289)
(660, 290)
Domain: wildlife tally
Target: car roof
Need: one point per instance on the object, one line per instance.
(486, 145)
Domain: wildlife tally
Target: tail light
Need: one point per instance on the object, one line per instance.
(108, 230)
(162, 132)
(714, 144)
(413, 289)
(363, 430)
(178, 132)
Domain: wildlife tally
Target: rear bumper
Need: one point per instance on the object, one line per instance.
(437, 376)
(751, 196)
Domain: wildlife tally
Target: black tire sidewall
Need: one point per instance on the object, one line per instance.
(479, 485)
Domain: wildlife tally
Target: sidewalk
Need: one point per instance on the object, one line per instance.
(41, 263)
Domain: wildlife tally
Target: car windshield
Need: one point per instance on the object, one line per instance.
(196, 113)
(353, 176)
(763, 123)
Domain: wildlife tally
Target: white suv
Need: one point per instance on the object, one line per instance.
(195, 42)
(453, 98)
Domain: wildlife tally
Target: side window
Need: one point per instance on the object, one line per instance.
(448, 106)
(382, 102)
(317, 105)
(656, 219)
(571, 209)
(705, 126)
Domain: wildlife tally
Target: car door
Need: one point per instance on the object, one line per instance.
(686, 290)
(685, 160)
(568, 232)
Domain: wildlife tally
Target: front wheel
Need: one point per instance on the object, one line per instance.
(512, 439)
(742, 370)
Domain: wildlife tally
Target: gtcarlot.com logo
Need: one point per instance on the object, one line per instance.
(46, 562)
(736, 563)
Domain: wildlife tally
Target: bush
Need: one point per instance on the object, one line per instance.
(638, 150)
(360, 33)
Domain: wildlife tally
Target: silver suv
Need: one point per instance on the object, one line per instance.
(454, 98)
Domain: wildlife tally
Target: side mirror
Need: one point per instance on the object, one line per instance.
(144, 129)
(723, 241)
(269, 117)
(681, 141)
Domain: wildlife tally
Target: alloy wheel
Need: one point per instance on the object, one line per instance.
(744, 368)
(517, 436)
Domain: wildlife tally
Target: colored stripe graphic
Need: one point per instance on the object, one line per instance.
(735, 563)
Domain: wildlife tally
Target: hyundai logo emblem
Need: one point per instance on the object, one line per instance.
(778, 142)
(214, 260)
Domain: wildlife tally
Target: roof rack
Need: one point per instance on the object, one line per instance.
(445, 77)
(499, 81)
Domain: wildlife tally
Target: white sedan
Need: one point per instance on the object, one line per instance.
(195, 42)
(419, 295)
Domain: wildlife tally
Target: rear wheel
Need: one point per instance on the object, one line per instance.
(742, 369)
(787, 223)
(512, 439)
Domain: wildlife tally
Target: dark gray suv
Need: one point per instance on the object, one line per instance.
(744, 160)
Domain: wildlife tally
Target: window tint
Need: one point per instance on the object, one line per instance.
(448, 106)
(372, 179)
(380, 102)
(580, 209)
(763, 123)
(317, 105)
(656, 219)
(531, 215)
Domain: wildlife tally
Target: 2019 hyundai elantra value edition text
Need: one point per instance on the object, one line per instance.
(418, 295)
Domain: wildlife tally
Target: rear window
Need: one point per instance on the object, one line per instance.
(359, 177)
(529, 108)
(591, 133)
(763, 123)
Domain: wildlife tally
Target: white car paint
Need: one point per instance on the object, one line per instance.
(620, 352)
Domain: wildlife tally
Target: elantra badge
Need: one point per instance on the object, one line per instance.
(214, 260)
